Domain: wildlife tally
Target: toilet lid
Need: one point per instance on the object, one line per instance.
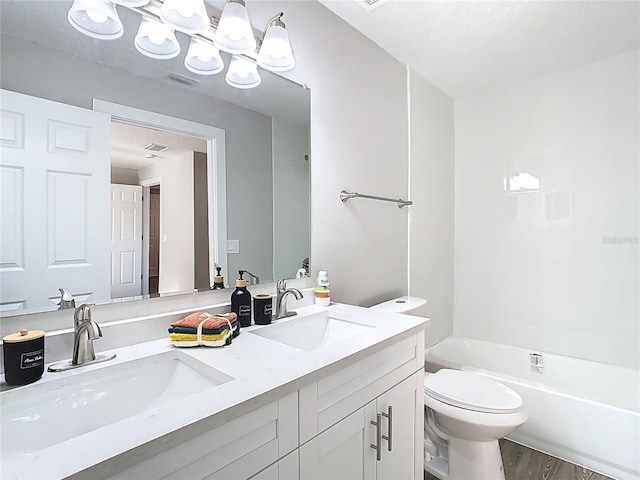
(471, 392)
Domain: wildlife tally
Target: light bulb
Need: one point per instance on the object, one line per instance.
(156, 38)
(278, 48)
(98, 17)
(204, 56)
(185, 9)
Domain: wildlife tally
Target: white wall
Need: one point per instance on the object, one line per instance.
(555, 269)
(176, 221)
(291, 198)
(432, 190)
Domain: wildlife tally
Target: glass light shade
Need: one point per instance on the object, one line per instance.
(189, 16)
(242, 73)
(131, 3)
(234, 33)
(156, 40)
(275, 52)
(96, 18)
(203, 58)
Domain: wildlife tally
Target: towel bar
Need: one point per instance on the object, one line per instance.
(344, 196)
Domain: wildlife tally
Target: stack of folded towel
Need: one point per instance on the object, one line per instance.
(202, 328)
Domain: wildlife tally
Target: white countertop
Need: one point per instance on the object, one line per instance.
(262, 371)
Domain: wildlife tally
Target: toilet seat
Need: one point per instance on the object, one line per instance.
(471, 392)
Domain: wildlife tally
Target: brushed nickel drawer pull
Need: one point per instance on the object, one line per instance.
(376, 446)
(389, 436)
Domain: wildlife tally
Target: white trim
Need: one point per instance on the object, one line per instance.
(216, 167)
(146, 195)
(410, 210)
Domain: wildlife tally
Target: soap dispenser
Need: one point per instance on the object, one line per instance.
(218, 280)
(322, 289)
(241, 301)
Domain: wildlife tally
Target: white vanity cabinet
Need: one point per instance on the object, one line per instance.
(325, 430)
(239, 449)
(375, 402)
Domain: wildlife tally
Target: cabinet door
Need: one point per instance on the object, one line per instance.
(343, 452)
(285, 469)
(234, 451)
(401, 455)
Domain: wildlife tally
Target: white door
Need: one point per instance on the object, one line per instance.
(54, 192)
(126, 240)
(154, 235)
(342, 452)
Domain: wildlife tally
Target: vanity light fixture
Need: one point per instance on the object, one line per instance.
(96, 18)
(275, 52)
(131, 3)
(156, 37)
(188, 16)
(203, 58)
(234, 33)
(156, 40)
(242, 73)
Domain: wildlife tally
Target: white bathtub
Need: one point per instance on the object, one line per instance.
(584, 412)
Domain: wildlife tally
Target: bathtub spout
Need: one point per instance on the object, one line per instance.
(537, 362)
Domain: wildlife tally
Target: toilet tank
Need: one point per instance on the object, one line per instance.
(408, 305)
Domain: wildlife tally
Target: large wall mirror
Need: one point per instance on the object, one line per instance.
(264, 140)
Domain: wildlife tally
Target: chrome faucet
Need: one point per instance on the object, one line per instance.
(66, 299)
(281, 299)
(85, 331)
(255, 280)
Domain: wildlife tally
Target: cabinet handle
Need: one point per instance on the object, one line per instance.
(388, 437)
(376, 446)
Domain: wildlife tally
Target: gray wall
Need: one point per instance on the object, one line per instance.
(291, 198)
(358, 142)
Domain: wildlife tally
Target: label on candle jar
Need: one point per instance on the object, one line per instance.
(32, 359)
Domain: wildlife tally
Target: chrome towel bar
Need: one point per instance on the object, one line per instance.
(344, 196)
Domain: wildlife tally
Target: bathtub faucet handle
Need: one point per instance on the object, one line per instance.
(537, 361)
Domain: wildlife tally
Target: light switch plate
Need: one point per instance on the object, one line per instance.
(233, 246)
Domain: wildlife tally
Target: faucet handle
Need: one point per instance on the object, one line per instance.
(282, 284)
(83, 313)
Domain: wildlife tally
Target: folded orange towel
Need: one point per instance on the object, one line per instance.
(211, 322)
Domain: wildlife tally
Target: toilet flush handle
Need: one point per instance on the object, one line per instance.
(388, 437)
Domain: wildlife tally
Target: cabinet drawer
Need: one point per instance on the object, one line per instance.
(327, 401)
(257, 439)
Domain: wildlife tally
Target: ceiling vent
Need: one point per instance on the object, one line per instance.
(371, 4)
(154, 147)
(183, 80)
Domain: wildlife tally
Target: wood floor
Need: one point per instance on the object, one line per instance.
(522, 463)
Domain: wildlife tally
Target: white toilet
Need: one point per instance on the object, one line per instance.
(465, 416)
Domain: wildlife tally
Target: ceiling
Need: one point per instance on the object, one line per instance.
(465, 46)
(128, 142)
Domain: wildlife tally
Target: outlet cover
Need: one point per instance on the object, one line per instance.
(233, 246)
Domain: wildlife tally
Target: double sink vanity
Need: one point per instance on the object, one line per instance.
(332, 392)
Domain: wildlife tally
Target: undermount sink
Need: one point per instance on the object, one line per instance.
(44, 414)
(312, 332)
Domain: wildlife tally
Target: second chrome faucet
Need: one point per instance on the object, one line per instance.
(281, 299)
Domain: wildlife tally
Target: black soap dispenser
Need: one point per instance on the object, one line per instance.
(218, 280)
(241, 301)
